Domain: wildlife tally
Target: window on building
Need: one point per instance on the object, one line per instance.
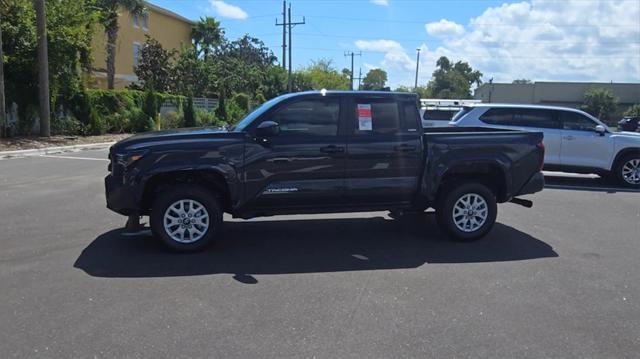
(145, 21)
(136, 21)
(136, 54)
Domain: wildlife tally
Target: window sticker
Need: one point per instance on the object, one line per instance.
(364, 117)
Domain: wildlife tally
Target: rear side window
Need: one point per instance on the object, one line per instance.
(316, 117)
(439, 115)
(376, 117)
(411, 116)
(521, 117)
(575, 121)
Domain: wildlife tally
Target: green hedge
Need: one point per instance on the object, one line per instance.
(116, 111)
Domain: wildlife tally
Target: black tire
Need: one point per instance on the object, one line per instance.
(619, 166)
(445, 207)
(206, 198)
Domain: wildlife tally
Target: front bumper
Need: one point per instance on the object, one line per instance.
(120, 198)
(535, 184)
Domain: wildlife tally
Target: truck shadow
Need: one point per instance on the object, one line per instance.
(307, 246)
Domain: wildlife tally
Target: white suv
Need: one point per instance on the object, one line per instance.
(574, 140)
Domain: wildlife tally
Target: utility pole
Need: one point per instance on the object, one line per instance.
(352, 54)
(415, 86)
(3, 110)
(284, 33)
(43, 69)
(290, 24)
(359, 78)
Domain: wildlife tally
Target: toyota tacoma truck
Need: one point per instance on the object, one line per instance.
(321, 152)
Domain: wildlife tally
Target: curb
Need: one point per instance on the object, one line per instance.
(52, 150)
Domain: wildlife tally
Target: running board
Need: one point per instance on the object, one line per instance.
(523, 202)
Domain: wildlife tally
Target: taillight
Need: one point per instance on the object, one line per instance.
(540, 145)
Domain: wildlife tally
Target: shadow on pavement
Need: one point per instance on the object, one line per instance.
(596, 184)
(307, 246)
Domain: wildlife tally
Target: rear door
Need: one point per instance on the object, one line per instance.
(384, 150)
(582, 146)
(530, 119)
(302, 166)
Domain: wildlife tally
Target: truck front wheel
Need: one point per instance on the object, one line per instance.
(186, 218)
(467, 211)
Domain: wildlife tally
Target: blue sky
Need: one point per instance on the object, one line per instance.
(570, 40)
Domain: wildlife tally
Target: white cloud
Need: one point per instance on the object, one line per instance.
(227, 10)
(379, 45)
(444, 28)
(380, 2)
(570, 40)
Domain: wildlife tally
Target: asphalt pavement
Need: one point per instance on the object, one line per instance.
(560, 280)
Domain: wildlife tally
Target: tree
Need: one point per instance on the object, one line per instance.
(600, 102)
(69, 33)
(190, 75)
(207, 35)
(521, 81)
(320, 75)
(453, 81)
(189, 116)
(422, 91)
(375, 79)
(155, 66)
(109, 19)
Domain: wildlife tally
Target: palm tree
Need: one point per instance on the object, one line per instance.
(109, 19)
(207, 34)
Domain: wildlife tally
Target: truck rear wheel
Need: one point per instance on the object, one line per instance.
(627, 170)
(467, 211)
(186, 218)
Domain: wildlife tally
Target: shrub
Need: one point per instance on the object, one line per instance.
(633, 111)
(207, 118)
(67, 126)
(172, 119)
(242, 101)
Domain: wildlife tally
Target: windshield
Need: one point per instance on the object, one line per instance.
(240, 126)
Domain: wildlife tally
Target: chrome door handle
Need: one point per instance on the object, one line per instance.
(569, 138)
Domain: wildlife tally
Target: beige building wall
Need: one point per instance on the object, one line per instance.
(570, 94)
(170, 29)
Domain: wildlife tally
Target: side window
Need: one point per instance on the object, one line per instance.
(534, 118)
(136, 54)
(575, 121)
(411, 116)
(376, 117)
(316, 117)
(522, 117)
(498, 116)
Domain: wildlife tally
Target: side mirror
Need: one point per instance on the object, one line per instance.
(600, 130)
(267, 129)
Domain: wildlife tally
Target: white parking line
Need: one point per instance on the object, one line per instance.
(76, 158)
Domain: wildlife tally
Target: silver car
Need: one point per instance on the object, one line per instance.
(574, 140)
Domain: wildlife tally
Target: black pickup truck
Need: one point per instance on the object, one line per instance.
(320, 152)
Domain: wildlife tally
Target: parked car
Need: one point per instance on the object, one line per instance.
(438, 112)
(321, 152)
(631, 124)
(574, 140)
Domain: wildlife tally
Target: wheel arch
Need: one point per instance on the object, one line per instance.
(622, 153)
(211, 179)
(490, 174)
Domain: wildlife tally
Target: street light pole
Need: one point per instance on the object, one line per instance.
(3, 111)
(415, 86)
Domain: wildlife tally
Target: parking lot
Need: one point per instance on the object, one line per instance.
(558, 280)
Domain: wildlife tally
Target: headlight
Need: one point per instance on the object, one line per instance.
(127, 159)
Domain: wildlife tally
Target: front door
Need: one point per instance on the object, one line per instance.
(384, 151)
(582, 146)
(302, 166)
